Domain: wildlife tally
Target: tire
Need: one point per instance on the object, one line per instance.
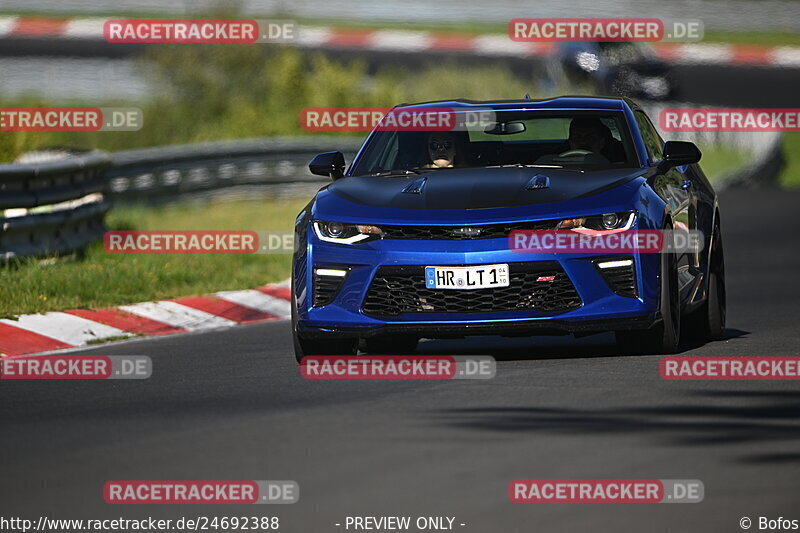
(714, 315)
(664, 338)
(711, 315)
(399, 345)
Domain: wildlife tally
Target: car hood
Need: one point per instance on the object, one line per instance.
(478, 188)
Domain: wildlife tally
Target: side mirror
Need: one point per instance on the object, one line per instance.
(679, 153)
(328, 164)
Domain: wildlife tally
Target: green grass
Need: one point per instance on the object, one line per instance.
(718, 161)
(229, 92)
(13, 143)
(762, 38)
(790, 177)
(101, 279)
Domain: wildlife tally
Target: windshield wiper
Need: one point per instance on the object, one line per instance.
(521, 165)
(389, 173)
(509, 165)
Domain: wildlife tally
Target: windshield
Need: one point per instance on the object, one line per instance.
(566, 139)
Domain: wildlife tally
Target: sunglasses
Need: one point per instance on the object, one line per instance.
(445, 145)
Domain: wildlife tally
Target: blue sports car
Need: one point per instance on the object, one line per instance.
(412, 240)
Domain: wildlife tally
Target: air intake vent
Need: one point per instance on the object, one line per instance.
(327, 283)
(619, 276)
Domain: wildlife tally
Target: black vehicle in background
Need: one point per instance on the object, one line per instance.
(616, 69)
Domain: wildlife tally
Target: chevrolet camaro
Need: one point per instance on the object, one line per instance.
(411, 241)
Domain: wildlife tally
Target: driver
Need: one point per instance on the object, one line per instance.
(588, 137)
(586, 133)
(441, 150)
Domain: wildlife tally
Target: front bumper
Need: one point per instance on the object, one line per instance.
(600, 309)
(448, 330)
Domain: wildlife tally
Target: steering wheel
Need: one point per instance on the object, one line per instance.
(570, 153)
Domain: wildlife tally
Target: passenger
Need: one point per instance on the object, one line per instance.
(441, 150)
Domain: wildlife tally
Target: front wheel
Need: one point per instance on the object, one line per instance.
(711, 317)
(715, 308)
(663, 338)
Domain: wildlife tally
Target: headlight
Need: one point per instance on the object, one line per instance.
(604, 222)
(346, 233)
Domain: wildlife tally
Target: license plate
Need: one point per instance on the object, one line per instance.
(467, 277)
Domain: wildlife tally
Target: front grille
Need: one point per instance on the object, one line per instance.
(622, 280)
(490, 231)
(541, 286)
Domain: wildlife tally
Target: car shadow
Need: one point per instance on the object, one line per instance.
(721, 418)
(543, 348)
(690, 342)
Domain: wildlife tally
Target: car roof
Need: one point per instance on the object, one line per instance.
(588, 103)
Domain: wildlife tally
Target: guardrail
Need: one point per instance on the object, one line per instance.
(764, 168)
(52, 207)
(58, 207)
(240, 167)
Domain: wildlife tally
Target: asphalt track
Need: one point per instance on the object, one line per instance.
(230, 404)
